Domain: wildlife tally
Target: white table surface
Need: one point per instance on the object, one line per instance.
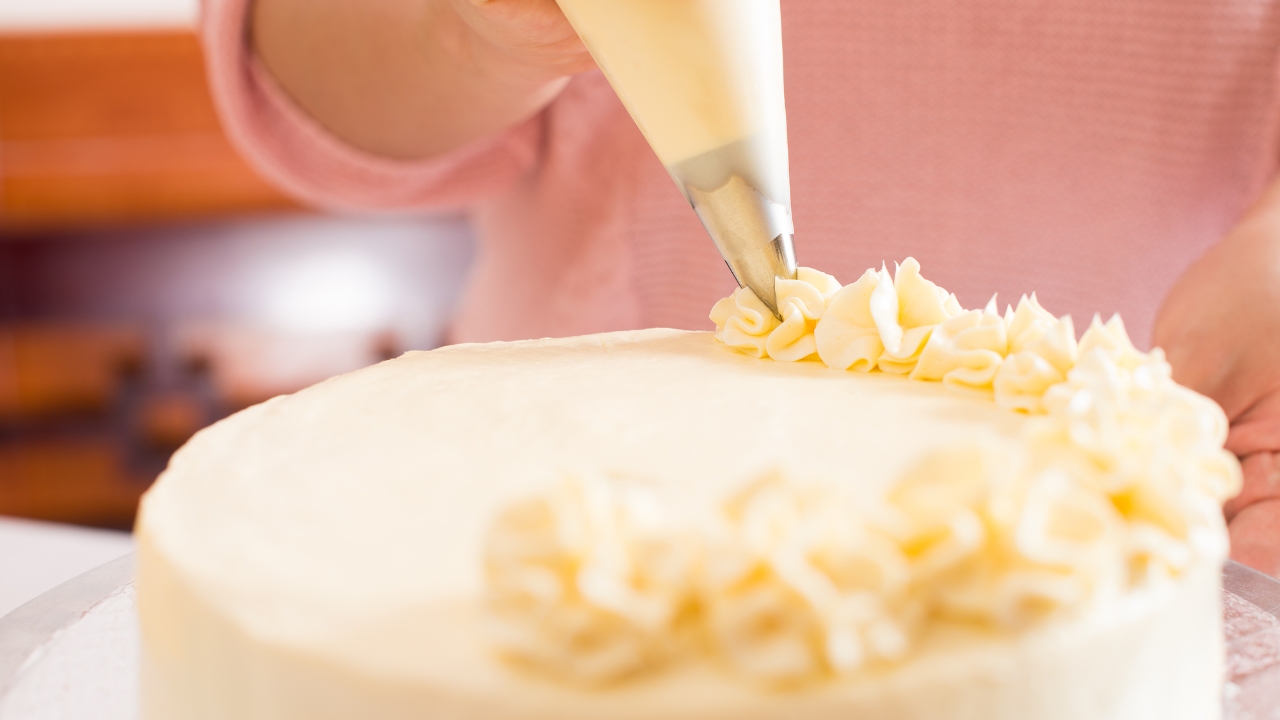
(37, 556)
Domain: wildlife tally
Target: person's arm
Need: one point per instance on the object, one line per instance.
(1220, 326)
(411, 79)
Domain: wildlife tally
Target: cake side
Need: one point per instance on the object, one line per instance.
(1152, 658)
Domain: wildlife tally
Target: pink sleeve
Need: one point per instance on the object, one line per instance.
(294, 152)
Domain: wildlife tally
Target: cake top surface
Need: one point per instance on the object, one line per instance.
(812, 494)
(378, 486)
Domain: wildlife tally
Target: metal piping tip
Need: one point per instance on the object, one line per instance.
(761, 266)
(752, 233)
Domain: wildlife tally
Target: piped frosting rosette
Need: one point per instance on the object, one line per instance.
(590, 581)
(1117, 485)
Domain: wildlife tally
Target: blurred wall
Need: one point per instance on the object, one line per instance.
(150, 281)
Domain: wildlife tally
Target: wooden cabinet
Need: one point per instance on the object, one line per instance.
(112, 127)
(97, 129)
(73, 479)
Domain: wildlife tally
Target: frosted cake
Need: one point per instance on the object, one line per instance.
(881, 506)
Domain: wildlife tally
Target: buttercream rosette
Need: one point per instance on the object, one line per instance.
(1115, 485)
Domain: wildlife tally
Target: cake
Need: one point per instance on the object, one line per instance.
(880, 505)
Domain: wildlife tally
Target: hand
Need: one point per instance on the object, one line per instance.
(532, 33)
(1254, 516)
(417, 78)
(1220, 326)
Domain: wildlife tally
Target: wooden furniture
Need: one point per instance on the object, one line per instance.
(99, 128)
(61, 455)
(114, 127)
(50, 370)
(74, 480)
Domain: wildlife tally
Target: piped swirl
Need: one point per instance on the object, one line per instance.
(1115, 486)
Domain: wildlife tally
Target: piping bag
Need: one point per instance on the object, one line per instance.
(703, 81)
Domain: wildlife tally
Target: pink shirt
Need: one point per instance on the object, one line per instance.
(1086, 149)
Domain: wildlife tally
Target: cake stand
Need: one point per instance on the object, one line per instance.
(72, 653)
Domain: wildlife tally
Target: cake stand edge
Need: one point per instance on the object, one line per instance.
(31, 624)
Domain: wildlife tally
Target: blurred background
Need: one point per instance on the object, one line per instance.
(150, 282)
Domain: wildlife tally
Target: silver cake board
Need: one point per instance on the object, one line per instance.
(72, 653)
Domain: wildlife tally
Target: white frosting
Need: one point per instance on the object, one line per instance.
(965, 352)
(590, 581)
(907, 315)
(1041, 351)
(877, 322)
(794, 585)
(793, 581)
(745, 323)
(330, 553)
(849, 339)
(801, 303)
(1116, 487)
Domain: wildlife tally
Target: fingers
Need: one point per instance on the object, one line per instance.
(1258, 429)
(1261, 483)
(1219, 322)
(1255, 536)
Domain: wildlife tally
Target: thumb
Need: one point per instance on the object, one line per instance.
(1261, 484)
(1257, 429)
